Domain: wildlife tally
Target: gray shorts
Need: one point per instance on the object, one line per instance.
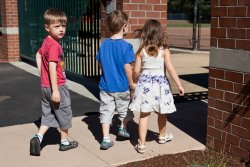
(109, 102)
(56, 115)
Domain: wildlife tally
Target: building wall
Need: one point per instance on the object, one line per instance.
(228, 120)
(138, 12)
(9, 39)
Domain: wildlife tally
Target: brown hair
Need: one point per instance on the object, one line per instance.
(152, 37)
(116, 20)
(52, 16)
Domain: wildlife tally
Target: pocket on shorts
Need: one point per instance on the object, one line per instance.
(65, 96)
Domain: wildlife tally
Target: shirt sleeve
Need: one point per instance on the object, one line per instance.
(54, 53)
(129, 55)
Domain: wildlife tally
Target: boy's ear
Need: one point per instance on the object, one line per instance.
(46, 27)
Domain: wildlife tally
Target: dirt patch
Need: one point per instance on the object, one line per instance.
(207, 158)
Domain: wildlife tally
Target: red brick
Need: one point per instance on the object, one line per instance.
(245, 144)
(153, 14)
(233, 98)
(222, 105)
(137, 14)
(209, 140)
(239, 152)
(239, 11)
(242, 89)
(227, 22)
(234, 76)
(216, 73)
(219, 11)
(211, 83)
(243, 44)
(213, 132)
(214, 113)
(235, 140)
(145, 7)
(228, 2)
(214, 22)
(215, 93)
(243, 22)
(227, 43)
(242, 132)
(221, 145)
(214, 3)
(160, 8)
(211, 102)
(223, 126)
(210, 121)
(236, 33)
(244, 2)
(218, 32)
(246, 78)
(246, 123)
(224, 85)
(137, 1)
(213, 42)
(248, 30)
(241, 110)
(130, 7)
(153, 1)
(231, 118)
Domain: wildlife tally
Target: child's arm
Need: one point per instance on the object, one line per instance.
(129, 72)
(171, 70)
(53, 78)
(38, 62)
(137, 68)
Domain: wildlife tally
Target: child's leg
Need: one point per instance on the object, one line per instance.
(105, 130)
(143, 127)
(107, 108)
(42, 130)
(162, 122)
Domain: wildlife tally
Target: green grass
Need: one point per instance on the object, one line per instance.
(187, 25)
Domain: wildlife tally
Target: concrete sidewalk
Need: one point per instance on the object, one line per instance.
(188, 124)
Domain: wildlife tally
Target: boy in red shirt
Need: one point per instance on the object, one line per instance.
(56, 104)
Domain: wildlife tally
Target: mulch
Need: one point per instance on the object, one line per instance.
(207, 158)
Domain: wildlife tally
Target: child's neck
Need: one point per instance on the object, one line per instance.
(118, 35)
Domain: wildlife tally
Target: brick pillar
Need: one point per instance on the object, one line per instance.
(9, 39)
(138, 12)
(228, 120)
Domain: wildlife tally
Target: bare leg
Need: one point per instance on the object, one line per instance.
(64, 134)
(42, 130)
(105, 129)
(143, 127)
(162, 122)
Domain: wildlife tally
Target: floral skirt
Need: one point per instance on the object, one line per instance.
(152, 94)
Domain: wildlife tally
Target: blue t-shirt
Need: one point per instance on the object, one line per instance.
(113, 55)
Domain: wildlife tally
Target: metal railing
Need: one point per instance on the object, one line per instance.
(82, 38)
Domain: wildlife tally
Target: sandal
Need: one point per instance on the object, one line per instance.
(168, 137)
(140, 148)
(72, 144)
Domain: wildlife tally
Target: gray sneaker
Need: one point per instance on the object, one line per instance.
(106, 145)
(123, 133)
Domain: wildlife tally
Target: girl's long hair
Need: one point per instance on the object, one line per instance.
(152, 37)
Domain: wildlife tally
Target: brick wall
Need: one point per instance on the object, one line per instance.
(9, 40)
(228, 120)
(138, 11)
(230, 24)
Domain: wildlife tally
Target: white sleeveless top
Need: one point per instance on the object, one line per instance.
(153, 65)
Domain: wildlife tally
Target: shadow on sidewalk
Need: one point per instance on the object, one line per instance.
(51, 137)
(95, 128)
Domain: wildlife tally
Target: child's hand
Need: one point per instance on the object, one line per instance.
(132, 87)
(181, 91)
(56, 96)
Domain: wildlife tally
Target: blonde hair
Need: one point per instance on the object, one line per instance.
(52, 16)
(116, 20)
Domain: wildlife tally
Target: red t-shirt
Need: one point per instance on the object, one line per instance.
(51, 51)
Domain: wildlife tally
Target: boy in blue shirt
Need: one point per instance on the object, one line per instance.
(115, 57)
